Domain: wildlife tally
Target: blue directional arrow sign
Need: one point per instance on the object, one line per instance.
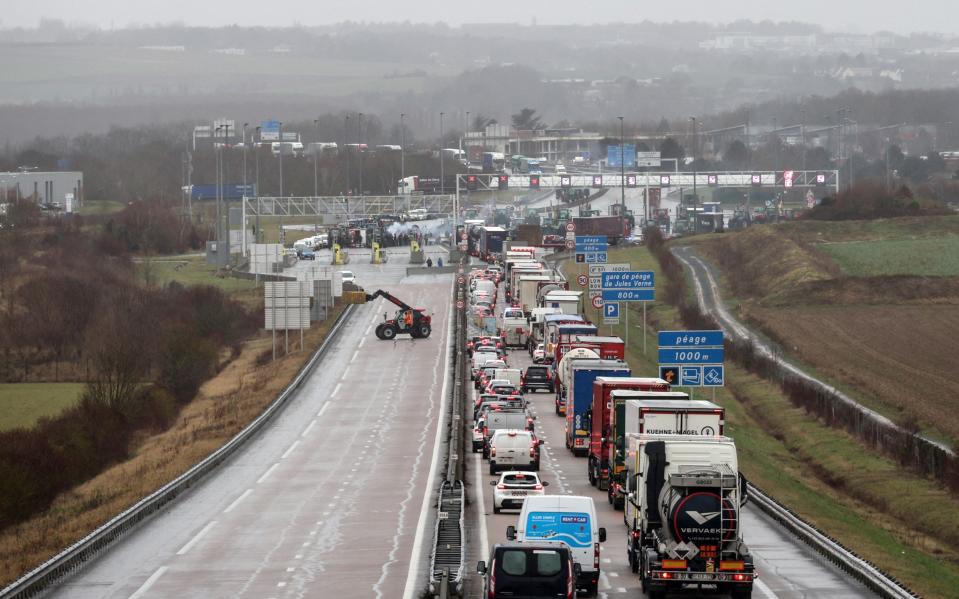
(636, 279)
(690, 356)
(596, 257)
(629, 295)
(690, 339)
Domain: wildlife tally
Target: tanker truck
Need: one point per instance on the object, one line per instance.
(683, 502)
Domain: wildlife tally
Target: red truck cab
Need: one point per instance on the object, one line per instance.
(608, 348)
(600, 468)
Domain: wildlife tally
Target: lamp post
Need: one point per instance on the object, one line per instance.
(346, 147)
(622, 176)
(256, 156)
(245, 125)
(281, 158)
(695, 190)
(216, 163)
(442, 172)
(316, 127)
(359, 147)
(402, 149)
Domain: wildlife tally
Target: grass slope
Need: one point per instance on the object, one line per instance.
(931, 256)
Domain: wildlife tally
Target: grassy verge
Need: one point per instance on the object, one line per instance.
(933, 256)
(193, 270)
(906, 524)
(100, 207)
(23, 404)
(224, 405)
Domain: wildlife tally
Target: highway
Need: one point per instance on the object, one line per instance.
(333, 499)
(788, 569)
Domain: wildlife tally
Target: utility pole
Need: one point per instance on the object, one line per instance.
(402, 148)
(316, 155)
(622, 177)
(245, 125)
(346, 147)
(802, 132)
(695, 191)
(442, 172)
(359, 147)
(281, 159)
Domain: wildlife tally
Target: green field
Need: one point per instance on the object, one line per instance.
(23, 404)
(933, 256)
(100, 207)
(188, 270)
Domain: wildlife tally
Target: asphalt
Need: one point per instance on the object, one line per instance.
(788, 568)
(333, 499)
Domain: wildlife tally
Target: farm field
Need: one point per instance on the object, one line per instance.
(23, 404)
(931, 256)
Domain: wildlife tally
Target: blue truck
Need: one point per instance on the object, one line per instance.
(579, 399)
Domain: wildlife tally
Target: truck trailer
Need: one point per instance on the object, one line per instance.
(579, 398)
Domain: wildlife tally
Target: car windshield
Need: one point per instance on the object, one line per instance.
(536, 370)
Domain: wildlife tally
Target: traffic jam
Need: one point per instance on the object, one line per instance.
(648, 493)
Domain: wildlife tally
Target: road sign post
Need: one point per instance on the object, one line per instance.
(693, 358)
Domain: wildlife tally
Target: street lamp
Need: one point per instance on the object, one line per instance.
(245, 125)
(346, 148)
(442, 172)
(695, 190)
(256, 156)
(622, 176)
(359, 147)
(280, 129)
(402, 148)
(316, 127)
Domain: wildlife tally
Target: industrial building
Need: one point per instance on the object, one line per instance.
(57, 187)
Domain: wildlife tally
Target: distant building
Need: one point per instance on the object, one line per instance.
(43, 187)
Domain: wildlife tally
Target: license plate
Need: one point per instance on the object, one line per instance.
(701, 576)
(518, 493)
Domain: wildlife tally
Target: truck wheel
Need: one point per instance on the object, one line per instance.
(496, 510)
(589, 473)
(424, 330)
(379, 330)
(389, 332)
(492, 468)
(592, 589)
(746, 593)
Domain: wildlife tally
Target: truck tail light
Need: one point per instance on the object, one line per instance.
(492, 452)
(636, 534)
(596, 556)
(538, 487)
(740, 577)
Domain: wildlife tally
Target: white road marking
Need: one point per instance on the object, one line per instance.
(291, 569)
(416, 556)
(346, 374)
(237, 501)
(614, 574)
(281, 584)
(763, 588)
(620, 589)
(149, 583)
(308, 428)
(267, 473)
(363, 340)
(196, 538)
(353, 359)
(481, 498)
(336, 389)
(290, 450)
(323, 409)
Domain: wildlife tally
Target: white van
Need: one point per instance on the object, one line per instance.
(513, 449)
(513, 375)
(567, 518)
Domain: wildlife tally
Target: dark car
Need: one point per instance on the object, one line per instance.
(527, 569)
(537, 377)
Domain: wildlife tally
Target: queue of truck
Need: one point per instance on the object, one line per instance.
(655, 454)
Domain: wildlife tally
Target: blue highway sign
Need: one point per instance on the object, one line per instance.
(713, 376)
(636, 279)
(591, 247)
(592, 239)
(689, 356)
(611, 310)
(691, 376)
(690, 339)
(629, 295)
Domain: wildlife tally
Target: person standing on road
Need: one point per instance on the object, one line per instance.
(429, 263)
(439, 262)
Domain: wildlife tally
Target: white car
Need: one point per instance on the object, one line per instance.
(513, 487)
(539, 354)
(348, 276)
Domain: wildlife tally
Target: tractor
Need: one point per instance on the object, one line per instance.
(390, 328)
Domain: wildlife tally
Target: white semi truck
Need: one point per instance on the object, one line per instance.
(683, 505)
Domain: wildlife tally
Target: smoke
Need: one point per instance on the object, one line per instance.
(434, 228)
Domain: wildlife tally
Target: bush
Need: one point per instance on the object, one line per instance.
(870, 200)
(186, 360)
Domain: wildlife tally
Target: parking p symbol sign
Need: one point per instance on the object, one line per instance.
(611, 310)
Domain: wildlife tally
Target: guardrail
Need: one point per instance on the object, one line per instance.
(447, 560)
(859, 568)
(73, 557)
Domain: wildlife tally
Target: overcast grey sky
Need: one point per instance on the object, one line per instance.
(844, 15)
